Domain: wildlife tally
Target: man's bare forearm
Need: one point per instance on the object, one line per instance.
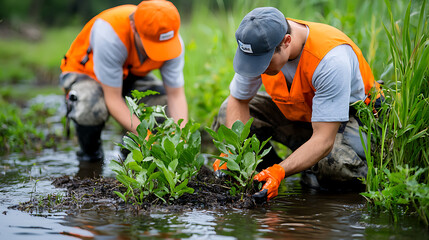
(237, 110)
(318, 146)
(177, 104)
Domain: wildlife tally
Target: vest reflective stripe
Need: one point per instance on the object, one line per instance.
(296, 105)
(77, 59)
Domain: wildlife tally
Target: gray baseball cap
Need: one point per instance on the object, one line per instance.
(258, 35)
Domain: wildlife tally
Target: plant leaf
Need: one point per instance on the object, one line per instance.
(185, 190)
(139, 94)
(237, 127)
(173, 165)
(129, 143)
(170, 148)
(212, 133)
(255, 144)
(132, 106)
(249, 162)
(420, 134)
(137, 155)
(167, 174)
(121, 195)
(116, 167)
(246, 130)
(134, 166)
(142, 129)
(265, 152)
(154, 175)
(232, 165)
(182, 185)
(158, 152)
(263, 143)
(230, 136)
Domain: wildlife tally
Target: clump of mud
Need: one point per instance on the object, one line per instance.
(98, 194)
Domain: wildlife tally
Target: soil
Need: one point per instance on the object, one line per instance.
(98, 194)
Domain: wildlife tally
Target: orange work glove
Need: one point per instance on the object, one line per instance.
(148, 134)
(216, 163)
(272, 177)
(217, 169)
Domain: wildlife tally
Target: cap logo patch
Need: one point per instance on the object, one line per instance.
(247, 48)
(166, 36)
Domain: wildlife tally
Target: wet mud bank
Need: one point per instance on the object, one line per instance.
(98, 194)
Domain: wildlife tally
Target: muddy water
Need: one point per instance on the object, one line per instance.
(295, 214)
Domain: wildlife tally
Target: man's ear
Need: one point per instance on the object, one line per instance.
(287, 40)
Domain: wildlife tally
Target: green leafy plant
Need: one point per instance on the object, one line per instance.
(162, 162)
(401, 187)
(242, 154)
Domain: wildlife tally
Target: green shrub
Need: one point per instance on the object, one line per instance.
(161, 163)
(22, 131)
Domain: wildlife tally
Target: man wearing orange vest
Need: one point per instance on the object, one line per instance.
(115, 53)
(311, 72)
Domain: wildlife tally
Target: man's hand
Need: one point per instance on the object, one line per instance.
(272, 177)
(217, 169)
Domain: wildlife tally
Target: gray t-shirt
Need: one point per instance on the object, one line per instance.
(337, 80)
(110, 55)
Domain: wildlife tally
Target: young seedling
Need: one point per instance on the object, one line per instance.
(242, 154)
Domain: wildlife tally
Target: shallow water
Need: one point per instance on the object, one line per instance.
(295, 214)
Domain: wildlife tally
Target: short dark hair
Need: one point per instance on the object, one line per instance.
(287, 32)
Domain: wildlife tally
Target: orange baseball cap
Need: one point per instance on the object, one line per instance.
(157, 23)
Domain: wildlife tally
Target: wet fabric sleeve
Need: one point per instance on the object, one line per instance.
(244, 88)
(172, 70)
(109, 54)
(333, 80)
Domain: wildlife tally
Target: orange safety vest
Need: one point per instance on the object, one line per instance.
(79, 57)
(296, 105)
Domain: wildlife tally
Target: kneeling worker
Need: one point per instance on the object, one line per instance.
(311, 72)
(115, 53)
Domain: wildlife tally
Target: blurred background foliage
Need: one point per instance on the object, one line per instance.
(35, 34)
(34, 21)
(80, 11)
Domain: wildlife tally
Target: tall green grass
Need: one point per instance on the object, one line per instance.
(398, 158)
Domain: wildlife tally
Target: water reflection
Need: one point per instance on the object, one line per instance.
(18, 225)
(90, 169)
(316, 216)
